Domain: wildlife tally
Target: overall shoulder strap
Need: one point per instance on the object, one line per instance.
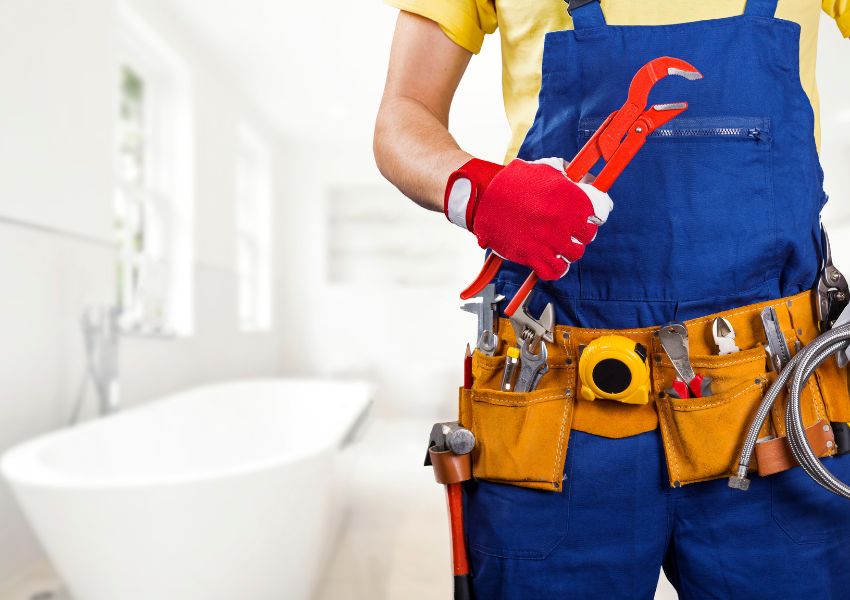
(586, 14)
(761, 8)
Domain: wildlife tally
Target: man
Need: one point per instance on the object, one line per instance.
(717, 216)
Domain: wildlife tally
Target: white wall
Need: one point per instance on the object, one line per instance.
(57, 61)
(410, 340)
(834, 58)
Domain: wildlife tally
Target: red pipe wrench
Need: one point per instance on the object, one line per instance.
(617, 141)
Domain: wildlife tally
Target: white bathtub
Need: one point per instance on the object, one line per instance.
(223, 492)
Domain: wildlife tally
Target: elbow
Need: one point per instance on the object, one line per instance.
(380, 143)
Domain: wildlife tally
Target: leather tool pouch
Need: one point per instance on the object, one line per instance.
(449, 467)
(521, 438)
(703, 436)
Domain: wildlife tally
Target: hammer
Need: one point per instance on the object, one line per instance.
(449, 446)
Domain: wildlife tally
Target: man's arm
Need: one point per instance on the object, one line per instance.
(413, 147)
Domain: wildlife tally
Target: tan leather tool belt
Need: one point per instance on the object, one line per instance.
(522, 438)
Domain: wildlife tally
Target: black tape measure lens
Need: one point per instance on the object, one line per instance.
(613, 367)
(612, 376)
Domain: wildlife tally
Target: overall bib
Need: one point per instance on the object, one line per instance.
(720, 209)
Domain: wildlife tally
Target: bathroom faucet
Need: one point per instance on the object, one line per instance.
(101, 334)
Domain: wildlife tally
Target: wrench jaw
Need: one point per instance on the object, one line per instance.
(531, 335)
(488, 343)
(690, 75)
(532, 367)
(655, 71)
(527, 328)
(639, 90)
(487, 312)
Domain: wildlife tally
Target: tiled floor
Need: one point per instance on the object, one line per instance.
(395, 544)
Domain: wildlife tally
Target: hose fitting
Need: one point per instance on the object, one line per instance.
(796, 374)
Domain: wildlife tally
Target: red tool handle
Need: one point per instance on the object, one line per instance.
(693, 389)
(576, 171)
(460, 561)
(607, 143)
(488, 272)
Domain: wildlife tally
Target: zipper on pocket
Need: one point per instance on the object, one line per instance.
(757, 131)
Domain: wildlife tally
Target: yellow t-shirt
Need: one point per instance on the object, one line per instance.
(523, 25)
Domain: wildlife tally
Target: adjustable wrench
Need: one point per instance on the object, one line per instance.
(487, 311)
(532, 367)
(531, 335)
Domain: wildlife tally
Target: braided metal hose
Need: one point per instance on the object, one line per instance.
(797, 371)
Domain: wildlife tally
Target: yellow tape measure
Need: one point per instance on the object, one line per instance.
(614, 367)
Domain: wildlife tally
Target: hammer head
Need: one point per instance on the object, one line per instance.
(449, 437)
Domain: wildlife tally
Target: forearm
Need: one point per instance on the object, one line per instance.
(413, 146)
(415, 151)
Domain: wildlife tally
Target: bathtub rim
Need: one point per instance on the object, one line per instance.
(20, 465)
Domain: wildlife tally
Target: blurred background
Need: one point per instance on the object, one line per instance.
(188, 196)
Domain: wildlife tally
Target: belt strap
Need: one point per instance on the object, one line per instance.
(761, 8)
(586, 14)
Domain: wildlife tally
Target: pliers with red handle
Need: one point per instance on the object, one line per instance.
(617, 141)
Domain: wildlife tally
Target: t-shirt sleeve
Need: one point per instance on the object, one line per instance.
(840, 11)
(465, 22)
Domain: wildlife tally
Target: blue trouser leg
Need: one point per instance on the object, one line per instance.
(608, 534)
(784, 538)
(604, 536)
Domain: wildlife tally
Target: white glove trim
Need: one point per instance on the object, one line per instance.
(602, 203)
(459, 197)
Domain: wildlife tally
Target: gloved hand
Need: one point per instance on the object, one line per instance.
(527, 212)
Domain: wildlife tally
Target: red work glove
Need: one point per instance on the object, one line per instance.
(527, 212)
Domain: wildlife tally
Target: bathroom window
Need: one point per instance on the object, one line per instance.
(153, 189)
(253, 231)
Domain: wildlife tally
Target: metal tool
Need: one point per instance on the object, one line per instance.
(674, 340)
(778, 353)
(531, 329)
(450, 436)
(511, 367)
(451, 468)
(724, 336)
(531, 335)
(832, 289)
(843, 357)
(617, 142)
(487, 311)
(614, 367)
(532, 367)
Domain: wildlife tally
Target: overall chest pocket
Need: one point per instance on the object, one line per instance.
(697, 205)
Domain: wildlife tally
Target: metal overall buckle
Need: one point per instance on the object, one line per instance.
(573, 5)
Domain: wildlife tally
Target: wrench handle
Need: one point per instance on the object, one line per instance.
(488, 272)
(522, 294)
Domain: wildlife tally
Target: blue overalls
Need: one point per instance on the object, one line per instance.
(720, 209)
